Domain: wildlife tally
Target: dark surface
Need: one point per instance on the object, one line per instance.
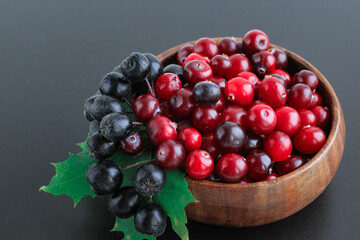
(54, 53)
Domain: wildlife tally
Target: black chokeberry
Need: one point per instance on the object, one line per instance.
(87, 107)
(230, 137)
(135, 67)
(132, 144)
(206, 93)
(115, 126)
(176, 69)
(99, 147)
(150, 219)
(156, 68)
(105, 177)
(116, 85)
(104, 105)
(124, 202)
(94, 127)
(149, 179)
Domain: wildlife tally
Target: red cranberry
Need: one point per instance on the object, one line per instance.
(246, 180)
(271, 177)
(234, 114)
(190, 138)
(306, 77)
(261, 119)
(251, 77)
(183, 53)
(195, 56)
(220, 81)
(252, 142)
(132, 144)
(309, 140)
(166, 111)
(197, 71)
(170, 155)
(199, 164)
(285, 76)
(206, 47)
(273, 92)
(280, 56)
(220, 65)
(182, 103)
(316, 100)
(307, 117)
(255, 41)
(322, 116)
(239, 63)
(263, 63)
(255, 103)
(209, 145)
(187, 123)
(220, 105)
(145, 107)
(288, 120)
(299, 96)
(259, 164)
(239, 91)
(205, 118)
(278, 145)
(289, 165)
(230, 137)
(228, 46)
(160, 129)
(166, 85)
(231, 167)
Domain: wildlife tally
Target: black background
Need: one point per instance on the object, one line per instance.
(54, 53)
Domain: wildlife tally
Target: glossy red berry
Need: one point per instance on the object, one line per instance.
(278, 146)
(132, 144)
(166, 111)
(306, 77)
(183, 53)
(220, 81)
(284, 75)
(197, 71)
(239, 63)
(259, 164)
(252, 142)
(220, 65)
(199, 164)
(299, 96)
(273, 92)
(209, 145)
(205, 118)
(261, 119)
(309, 140)
(166, 85)
(220, 105)
(160, 129)
(307, 118)
(234, 114)
(182, 103)
(228, 46)
(251, 77)
(195, 56)
(288, 120)
(190, 138)
(145, 107)
(206, 47)
(229, 136)
(322, 116)
(231, 168)
(255, 41)
(170, 154)
(280, 56)
(289, 164)
(263, 63)
(271, 177)
(239, 91)
(246, 180)
(316, 100)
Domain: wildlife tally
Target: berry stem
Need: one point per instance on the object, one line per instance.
(138, 123)
(138, 163)
(152, 92)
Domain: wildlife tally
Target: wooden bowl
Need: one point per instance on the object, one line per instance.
(254, 204)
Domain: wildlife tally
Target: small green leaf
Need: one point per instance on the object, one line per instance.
(127, 227)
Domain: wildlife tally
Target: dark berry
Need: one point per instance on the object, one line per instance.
(278, 146)
(230, 137)
(160, 129)
(228, 46)
(209, 145)
(156, 68)
(263, 63)
(197, 71)
(182, 103)
(136, 67)
(273, 92)
(104, 105)
(146, 107)
(87, 107)
(205, 118)
(175, 69)
(149, 179)
(220, 81)
(206, 47)
(220, 65)
(190, 138)
(124, 202)
(239, 63)
(252, 142)
(183, 53)
(231, 168)
(206, 93)
(220, 105)
(199, 164)
(280, 56)
(184, 124)
(306, 77)
(166, 85)
(132, 144)
(299, 96)
(150, 219)
(99, 147)
(255, 41)
(115, 126)
(105, 177)
(289, 165)
(115, 84)
(166, 111)
(170, 154)
(94, 127)
(259, 164)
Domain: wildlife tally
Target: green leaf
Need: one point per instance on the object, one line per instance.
(127, 227)
(174, 197)
(70, 178)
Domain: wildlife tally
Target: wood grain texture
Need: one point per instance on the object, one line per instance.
(254, 204)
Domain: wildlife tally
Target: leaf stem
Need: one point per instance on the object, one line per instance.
(138, 163)
(128, 102)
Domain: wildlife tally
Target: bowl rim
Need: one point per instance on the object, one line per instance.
(333, 105)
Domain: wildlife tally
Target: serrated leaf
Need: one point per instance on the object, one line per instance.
(127, 227)
(70, 177)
